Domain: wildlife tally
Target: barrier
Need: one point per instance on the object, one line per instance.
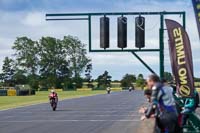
(116, 89)
(23, 92)
(11, 92)
(18, 90)
(57, 90)
(3, 92)
(84, 89)
(33, 92)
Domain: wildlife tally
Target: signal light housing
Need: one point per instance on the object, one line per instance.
(122, 32)
(104, 32)
(140, 32)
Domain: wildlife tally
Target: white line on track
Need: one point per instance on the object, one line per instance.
(59, 115)
(85, 111)
(33, 121)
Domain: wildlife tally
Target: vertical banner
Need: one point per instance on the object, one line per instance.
(181, 58)
(196, 5)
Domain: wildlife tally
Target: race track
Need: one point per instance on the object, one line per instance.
(114, 113)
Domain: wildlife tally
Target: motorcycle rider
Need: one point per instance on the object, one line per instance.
(130, 88)
(54, 95)
(108, 90)
(162, 104)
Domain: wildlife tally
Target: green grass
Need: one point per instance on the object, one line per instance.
(7, 102)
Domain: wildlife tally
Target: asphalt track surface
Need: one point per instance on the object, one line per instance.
(114, 113)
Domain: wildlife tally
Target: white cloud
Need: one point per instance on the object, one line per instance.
(34, 19)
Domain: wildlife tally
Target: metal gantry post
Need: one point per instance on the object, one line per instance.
(89, 33)
(144, 63)
(184, 23)
(161, 46)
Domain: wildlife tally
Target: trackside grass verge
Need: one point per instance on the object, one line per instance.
(8, 102)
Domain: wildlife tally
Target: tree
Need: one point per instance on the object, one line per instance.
(62, 59)
(77, 54)
(77, 58)
(127, 80)
(26, 53)
(104, 80)
(196, 79)
(78, 82)
(54, 65)
(49, 62)
(88, 71)
(8, 71)
(168, 76)
(140, 76)
(33, 81)
(19, 77)
(140, 82)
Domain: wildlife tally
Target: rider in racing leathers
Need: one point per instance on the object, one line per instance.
(54, 95)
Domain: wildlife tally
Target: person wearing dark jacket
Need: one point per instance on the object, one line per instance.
(162, 105)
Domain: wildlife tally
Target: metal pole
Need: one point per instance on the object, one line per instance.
(112, 13)
(184, 23)
(161, 46)
(89, 32)
(125, 50)
(62, 19)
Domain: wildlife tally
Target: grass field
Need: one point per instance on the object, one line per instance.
(7, 102)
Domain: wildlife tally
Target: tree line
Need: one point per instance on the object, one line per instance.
(57, 63)
(47, 62)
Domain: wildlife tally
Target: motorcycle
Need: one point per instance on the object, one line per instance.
(130, 89)
(108, 90)
(53, 103)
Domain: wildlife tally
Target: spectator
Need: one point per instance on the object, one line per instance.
(165, 83)
(147, 94)
(163, 101)
(190, 106)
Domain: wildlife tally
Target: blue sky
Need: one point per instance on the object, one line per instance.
(19, 5)
(27, 18)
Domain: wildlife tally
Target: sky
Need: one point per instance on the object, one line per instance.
(27, 18)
